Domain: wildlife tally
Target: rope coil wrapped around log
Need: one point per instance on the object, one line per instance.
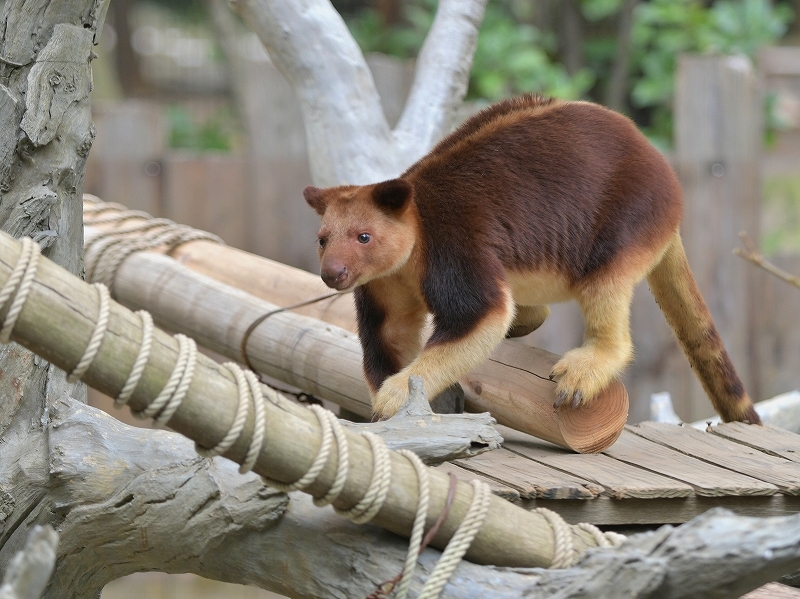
(20, 285)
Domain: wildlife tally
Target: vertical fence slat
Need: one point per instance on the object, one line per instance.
(718, 140)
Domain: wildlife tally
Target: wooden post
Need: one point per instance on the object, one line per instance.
(57, 322)
(718, 137)
(125, 165)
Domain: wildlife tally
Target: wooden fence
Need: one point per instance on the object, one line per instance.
(255, 203)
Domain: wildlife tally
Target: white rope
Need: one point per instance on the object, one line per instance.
(164, 406)
(342, 465)
(602, 539)
(563, 547)
(418, 528)
(319, 462)
(141, 360)
(23, 273)
(259, 428)
(242, 410)
(372, 502)
(99, 331)
(459, 544)
(108, 249)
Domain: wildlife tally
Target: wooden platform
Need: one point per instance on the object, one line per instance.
(654, 474)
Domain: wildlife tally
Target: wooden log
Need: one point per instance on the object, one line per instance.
(435, 438)
(152, 482)
(57, 322)
(513, 386)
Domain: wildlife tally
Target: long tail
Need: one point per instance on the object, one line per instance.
(676, 292)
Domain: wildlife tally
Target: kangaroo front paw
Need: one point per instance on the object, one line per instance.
(581, 375)
(390, 397)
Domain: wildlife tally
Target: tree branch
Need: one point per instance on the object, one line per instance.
(310, 44)
(751, 254)
(145, 501)
(441, 77)
(348, 138)
(137, 500)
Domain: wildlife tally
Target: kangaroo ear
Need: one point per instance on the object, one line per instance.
(315, 198)
(393, 194)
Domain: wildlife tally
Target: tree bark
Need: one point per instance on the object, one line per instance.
(46, 133)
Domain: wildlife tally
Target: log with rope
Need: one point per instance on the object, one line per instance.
(56, 315)
(513, 385)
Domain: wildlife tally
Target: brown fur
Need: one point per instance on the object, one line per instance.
(530, 202)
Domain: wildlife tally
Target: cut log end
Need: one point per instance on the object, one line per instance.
(595, 427)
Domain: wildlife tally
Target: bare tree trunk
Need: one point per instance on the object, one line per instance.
(618, 84)
(571, 36)
(128, 65)
(46, 133)
(349, 139)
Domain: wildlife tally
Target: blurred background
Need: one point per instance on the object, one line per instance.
(194, 123)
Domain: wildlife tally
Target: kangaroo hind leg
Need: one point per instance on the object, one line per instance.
(528, 319)
(582, 373)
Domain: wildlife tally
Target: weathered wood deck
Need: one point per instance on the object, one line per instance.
(654, 474)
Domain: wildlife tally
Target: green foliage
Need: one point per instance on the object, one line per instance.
(403, 41)
(594, 10)
(215, 134)
(781, 215)
(512, 57)
(663, 29)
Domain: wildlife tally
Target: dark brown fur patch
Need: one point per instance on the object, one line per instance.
(569, 186)
(379, 363)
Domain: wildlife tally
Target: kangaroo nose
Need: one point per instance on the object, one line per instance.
(335, 275)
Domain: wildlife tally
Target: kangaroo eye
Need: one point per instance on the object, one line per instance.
(363, 238)
(322, 242)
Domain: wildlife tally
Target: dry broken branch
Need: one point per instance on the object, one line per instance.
(435, 438)
(751, 253)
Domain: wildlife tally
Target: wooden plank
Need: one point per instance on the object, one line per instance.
(498, 488)
(608, 511)
(531, 479)
(125, 162)
(707, 480)
(208, 192)
(718, 140)
(778, 341)
(781, 472)
(770, 439)
(618, 479)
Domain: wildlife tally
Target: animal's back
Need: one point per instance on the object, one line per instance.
(546, 184)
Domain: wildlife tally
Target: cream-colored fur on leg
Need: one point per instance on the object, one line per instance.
(528, 319)
(442, 364)
(582, 373)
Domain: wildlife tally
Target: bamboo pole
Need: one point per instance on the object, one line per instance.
(58, 319)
